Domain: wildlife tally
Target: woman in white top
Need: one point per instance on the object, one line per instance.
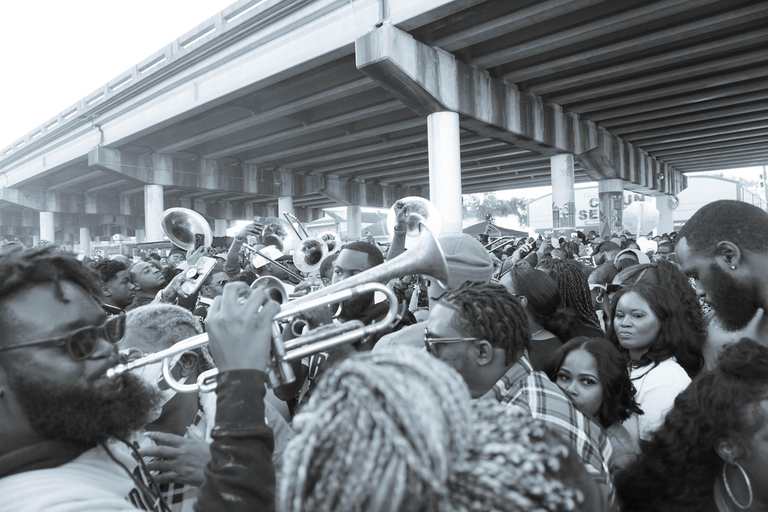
(663, 352)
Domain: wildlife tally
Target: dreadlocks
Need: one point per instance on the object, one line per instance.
(488, 311)
(24, 269)
(574, 290)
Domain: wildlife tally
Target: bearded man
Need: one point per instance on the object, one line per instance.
(63, 420)
(724, 248)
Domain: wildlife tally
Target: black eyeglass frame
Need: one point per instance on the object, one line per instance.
(104, 331)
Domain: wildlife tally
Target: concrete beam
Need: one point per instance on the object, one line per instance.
(614, 158)
(81, 203)
(432, 80)
(359, 193)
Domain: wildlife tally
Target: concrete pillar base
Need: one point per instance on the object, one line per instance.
(220, 227)
(153, 209)
(445, 169)
(611, 194)
(563, 194)
(285, 205)
(85, 241)
(666, 221)
(354, 223)
(47, 227)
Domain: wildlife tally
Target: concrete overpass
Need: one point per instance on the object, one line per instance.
(280, 105)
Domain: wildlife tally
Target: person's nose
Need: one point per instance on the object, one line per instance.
(104, 349)
(134, 286)
(572, 389)
(700, 291)
(625, 322)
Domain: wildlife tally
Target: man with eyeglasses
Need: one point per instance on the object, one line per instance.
(481, 330)
(62, 419)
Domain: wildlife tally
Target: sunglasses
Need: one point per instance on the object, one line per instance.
(430, 341)
(82, 343)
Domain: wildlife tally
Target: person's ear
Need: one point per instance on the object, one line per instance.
(484, 352)
(188, 363)
(523, 300)
(729, 451)
(106, 291)
(730, 252)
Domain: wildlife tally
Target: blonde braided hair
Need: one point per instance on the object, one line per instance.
(380, 434)
(395, 431)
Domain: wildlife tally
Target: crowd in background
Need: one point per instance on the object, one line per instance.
(558, 373)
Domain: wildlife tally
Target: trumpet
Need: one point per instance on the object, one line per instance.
(426, 258)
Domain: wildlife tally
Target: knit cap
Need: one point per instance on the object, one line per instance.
(467, 260)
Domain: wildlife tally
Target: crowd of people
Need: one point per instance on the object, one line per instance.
(543, 374)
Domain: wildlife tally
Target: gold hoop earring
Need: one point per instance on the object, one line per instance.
(600, 299)
(728, 487)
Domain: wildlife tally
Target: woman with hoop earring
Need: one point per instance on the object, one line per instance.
(711, 453)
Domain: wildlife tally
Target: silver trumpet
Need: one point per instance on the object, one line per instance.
(425, 257)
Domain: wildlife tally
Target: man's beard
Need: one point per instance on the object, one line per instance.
(734, 304)
(83, 415)
(352, 309)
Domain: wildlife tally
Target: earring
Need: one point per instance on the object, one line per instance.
(733, 267)
(728, 487)
(599, 299)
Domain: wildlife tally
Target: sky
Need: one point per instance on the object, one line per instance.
(64, 50)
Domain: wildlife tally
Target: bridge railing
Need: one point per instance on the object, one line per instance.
(237, 16)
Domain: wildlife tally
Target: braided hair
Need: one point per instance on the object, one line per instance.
(395, 431)
(23, 269)
(488, 311)
(574, 290)
(380, 434)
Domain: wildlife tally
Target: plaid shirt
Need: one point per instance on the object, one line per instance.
(545, 401)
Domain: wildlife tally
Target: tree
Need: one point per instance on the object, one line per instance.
(479, 205)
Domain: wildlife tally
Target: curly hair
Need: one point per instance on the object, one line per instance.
(574, 290)
(23, 269)
(108, 269)
(677, 467)
(742, 223)
(676, 337)
(618, 392)
(668, 275)
(488, 311)
(543, 298)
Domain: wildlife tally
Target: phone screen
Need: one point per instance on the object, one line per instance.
(199, 240)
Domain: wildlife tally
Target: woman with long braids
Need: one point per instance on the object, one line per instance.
(574, 295)
(652, 331)
(550, 324)
(711, 453)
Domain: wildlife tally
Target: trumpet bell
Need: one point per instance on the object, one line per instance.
(310, 254)
(181, 225)
(278, 233)
(419, 212)
(332, 240)
(273, 287)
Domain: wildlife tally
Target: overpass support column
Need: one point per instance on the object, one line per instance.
(140, 238)
(85, 241)
(445, 168)
(664, 205)
(285, 205)
(563, 194)
(611, 194)
(220, 227)
(354, 223)
(153, 209)
(47, 227)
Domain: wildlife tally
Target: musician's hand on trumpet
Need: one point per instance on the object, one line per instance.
(239, 327)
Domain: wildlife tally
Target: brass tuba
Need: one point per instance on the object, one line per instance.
(181, 225)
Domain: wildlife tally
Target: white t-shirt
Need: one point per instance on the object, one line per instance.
(656, 390)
